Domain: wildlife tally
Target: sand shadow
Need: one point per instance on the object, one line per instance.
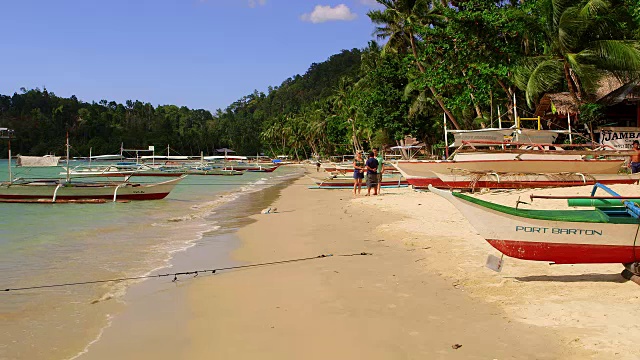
(610, 278)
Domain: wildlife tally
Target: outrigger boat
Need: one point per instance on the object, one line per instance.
(514, 158)
(121, 169)
(346, 182)
(457, 179)
(66, 190)
(602, 235)
(59, 191)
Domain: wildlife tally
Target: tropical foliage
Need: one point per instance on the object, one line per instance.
(467, 59)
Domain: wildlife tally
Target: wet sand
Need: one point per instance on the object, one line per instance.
(422, 292)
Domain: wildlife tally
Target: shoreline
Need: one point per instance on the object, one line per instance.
(422, 292)
(213, 247)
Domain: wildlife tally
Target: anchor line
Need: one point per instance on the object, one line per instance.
(176, 274)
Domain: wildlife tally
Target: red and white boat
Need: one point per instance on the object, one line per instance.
(471, 181)
(600, 235)
(422, 173)
(55, 190)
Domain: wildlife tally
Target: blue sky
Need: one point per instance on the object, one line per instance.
(196, 53)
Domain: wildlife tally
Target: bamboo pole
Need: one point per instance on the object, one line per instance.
(446, 140)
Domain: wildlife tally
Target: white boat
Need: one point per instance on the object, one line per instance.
(121, 169)
(422, 173)
(37, 161)
(600, 235)
(493, 180)
(56, 191)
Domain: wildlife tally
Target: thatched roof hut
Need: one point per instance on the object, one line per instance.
(622, 99)
(563, 103)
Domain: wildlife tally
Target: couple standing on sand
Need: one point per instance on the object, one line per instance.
(374, 169)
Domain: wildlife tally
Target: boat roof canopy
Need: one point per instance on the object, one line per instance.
(228, 157)
(160, 157)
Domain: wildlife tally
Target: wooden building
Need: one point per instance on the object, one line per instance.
(621, 101)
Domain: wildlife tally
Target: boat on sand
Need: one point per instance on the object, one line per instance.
(599, 235)
(458, 179)
(346, 181)
(422, 173)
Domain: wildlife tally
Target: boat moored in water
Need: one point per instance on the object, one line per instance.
(55, 190)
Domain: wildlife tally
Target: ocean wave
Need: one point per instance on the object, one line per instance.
(86, 348)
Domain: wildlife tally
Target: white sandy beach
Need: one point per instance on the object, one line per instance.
(422, 292)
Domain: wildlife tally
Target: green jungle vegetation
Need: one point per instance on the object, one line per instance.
(465, 58)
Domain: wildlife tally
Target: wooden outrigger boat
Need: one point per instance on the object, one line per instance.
(346, 182)
(66, 190)
(55, 190)
(250, 167)
(514, 158)
(122, 169)
(470, 181)
(422, 173)
(214, 171)
(601, 235)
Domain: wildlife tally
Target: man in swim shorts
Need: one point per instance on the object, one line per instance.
(372, 174)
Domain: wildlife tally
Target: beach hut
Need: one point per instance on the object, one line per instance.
(621, 101)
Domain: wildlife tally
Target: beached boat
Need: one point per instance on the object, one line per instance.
(37, 161)
(346, 181)
(422, 173)
(457, 179)
(55, 190)
(600, 235)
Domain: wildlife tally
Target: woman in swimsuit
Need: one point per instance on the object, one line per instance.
(358, 173)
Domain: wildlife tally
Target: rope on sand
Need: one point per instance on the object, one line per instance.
(176, 274)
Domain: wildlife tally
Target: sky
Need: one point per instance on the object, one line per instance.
(203, 54)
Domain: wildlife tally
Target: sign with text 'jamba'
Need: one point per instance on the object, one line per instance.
(620, 138)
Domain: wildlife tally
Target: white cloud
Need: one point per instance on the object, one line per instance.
(322, 13)
(254, 3)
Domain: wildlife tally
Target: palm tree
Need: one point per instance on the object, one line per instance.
(344, 108)
(397, 23)
(584, 43)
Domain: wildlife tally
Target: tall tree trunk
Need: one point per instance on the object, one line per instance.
(402, 149)
(571, 83)
(431, 88)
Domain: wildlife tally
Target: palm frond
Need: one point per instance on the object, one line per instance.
(547, 76)
(593, 8)
(613, 55)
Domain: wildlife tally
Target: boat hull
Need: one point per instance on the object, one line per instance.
(561, 242)
(344, 184)
(421, 174)
(527, 181)
(51, 190)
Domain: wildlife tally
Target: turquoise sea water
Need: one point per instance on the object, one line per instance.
(59, 243)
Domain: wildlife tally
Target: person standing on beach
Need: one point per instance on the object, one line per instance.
(634, 164)
(372, 174)
(380, 159)
(358, 173)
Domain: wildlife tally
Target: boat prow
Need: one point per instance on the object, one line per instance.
(560, 236)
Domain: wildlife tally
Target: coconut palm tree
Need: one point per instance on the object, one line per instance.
(397, 22)
(584, 43)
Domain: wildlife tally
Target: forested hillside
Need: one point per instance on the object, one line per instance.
(466, 59)
(41, 119)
